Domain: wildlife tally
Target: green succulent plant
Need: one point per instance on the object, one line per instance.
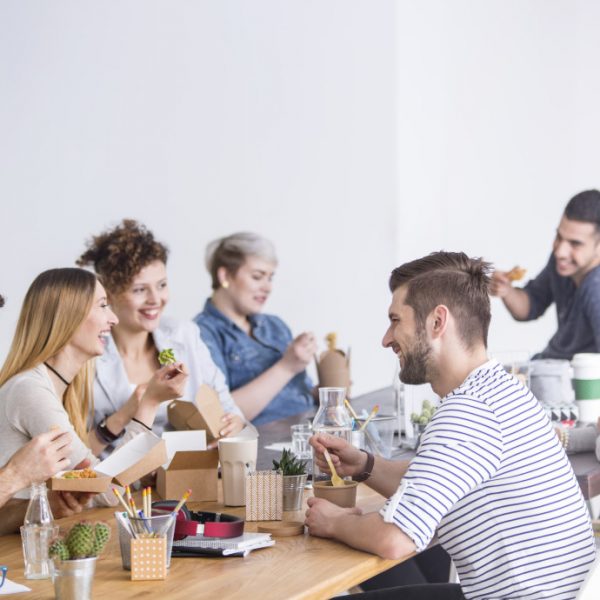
(84, 540)
(289, 464)
(427, 412)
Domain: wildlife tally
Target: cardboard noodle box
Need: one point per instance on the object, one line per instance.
(128, 463)
(189, 466)
(333, 369)
(204, 413)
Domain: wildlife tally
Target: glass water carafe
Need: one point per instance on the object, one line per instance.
(333, 418)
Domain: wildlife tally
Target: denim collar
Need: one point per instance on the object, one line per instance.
(257, 321)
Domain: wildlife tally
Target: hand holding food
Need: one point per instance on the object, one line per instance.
(168, 383)
(300, 352)
(516, 273)
(501, 281)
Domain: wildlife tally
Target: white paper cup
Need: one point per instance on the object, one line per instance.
(237, 457)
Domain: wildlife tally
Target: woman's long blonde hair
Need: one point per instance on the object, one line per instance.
(56, 304)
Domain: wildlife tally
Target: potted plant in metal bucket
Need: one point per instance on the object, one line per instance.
(75, 559)
(294, 478)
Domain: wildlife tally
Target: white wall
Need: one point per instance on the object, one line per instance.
(202, 118)
(498, 127)
(355, 134)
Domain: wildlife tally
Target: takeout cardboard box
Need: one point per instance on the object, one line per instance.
(189, 466)
(128, 463)
(333, 369)
(204, 413)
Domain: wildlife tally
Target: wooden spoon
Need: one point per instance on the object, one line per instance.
(336, 480)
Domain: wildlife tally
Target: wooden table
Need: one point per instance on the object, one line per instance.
(300, 567)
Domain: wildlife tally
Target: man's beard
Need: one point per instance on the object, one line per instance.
(414, 371)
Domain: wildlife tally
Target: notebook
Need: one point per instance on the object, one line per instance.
(237, 546)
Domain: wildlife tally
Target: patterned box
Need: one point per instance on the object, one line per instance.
(148, 558)
(264, 496)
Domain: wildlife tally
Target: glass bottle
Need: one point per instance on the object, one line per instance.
(38, 510)
(333, 418)
(37, 533)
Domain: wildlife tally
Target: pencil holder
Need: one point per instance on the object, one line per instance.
(148, 558)
(264, 494)
(130, 528)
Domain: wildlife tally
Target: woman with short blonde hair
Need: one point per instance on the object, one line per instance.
(264, 365)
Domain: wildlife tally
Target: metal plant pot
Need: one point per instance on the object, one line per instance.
(73, 579)
(293, 488)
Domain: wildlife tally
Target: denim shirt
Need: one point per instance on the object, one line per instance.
(242, 358)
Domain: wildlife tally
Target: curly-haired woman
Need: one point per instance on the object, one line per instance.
(132, 266)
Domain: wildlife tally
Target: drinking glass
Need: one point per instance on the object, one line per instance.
(300, 436)
(36, 539)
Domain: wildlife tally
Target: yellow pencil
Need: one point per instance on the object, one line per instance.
(131, 500)
(182, 501)
(122, 501)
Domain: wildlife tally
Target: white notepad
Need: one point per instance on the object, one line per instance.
(247, 541)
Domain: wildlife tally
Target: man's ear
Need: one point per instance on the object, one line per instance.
(439, 317)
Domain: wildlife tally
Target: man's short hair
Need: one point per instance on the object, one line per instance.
(455, 280)
(585, 207)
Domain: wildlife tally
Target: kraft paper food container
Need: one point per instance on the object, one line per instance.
(96, 485)
(344, 496)
(204, 413)
(333, 369)
(128, 463)
(190, 466)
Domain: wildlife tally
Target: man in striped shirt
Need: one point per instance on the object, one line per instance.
(490, 477)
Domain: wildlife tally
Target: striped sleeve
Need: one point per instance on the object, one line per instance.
(460, 449)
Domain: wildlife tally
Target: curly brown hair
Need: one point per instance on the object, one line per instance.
(119, 254)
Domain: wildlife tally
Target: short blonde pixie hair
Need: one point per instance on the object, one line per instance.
(231, 252)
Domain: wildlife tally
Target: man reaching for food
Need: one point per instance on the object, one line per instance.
(571, 280)
(489, 479)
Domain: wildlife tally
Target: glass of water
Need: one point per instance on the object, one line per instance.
(300, 436)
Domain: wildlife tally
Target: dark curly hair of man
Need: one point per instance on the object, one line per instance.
(119, 254)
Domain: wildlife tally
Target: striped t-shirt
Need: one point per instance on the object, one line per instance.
(491, 478)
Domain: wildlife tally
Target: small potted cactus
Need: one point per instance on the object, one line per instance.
(75, 559)
(294, 478)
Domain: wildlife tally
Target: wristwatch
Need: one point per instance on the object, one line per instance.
(368, 468)
(105, 434)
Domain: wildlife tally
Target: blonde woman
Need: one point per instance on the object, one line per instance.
(46, 380)
(264, 365)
